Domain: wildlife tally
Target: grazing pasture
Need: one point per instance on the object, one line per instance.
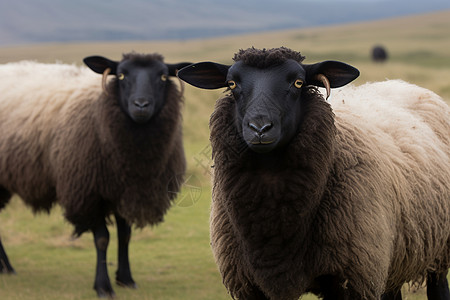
(173, 260)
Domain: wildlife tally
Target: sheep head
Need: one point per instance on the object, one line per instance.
(269, 88)
(142, 81)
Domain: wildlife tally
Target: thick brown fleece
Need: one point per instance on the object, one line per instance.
(359, 201)
(65, 141)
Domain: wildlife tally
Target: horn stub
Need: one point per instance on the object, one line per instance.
(322, 78)
(105, 75)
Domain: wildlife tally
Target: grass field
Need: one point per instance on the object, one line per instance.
(173, 260)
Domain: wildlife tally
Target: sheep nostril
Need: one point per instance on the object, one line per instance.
(253, 127)
(262, 129)
(266, 127)
(141, 104)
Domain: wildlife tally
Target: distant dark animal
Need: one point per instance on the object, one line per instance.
(347, 200)
(379, 54)
(96, 153)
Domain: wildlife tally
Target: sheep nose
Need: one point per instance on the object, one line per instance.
(141, 103)
(260, 129)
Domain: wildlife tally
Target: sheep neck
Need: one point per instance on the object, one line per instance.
(131, 144)
(272, 199)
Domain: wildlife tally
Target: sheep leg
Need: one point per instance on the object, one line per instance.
(252, 293)
(5, 266)
(123, 273)
(102, 283)
(437, 286)
(392, 295)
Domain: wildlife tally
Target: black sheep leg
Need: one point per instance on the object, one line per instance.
(393, 295)
(252, 293)
(437, 286)
(123, 274)
(5, 266)
(102, 283)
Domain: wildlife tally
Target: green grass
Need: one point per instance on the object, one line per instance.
(171, 261)
(174, 260)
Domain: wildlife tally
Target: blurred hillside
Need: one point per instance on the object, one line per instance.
(417, 47)
(37, 21)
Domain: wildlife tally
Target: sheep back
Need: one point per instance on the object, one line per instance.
(33, 98)
(360, 193)
(410, 129)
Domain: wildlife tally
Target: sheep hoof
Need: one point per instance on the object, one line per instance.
(130, 285)
(101, 293)
(9, 271)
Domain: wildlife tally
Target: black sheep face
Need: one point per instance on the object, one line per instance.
(142, 81)
(268, 97)
(268, 103)
(142, 88)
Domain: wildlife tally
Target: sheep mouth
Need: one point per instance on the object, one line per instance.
(261, 142)
(141, 117)
(261, 145)
(261, 139)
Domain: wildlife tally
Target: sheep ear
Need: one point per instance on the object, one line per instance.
(205, 75)
(174, 68)
(99, 64)
(337, 73)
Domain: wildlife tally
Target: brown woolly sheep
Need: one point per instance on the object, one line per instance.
(347, 200)
(96, 153)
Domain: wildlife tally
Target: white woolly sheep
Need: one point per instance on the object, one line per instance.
(347, 200)
(96, 153)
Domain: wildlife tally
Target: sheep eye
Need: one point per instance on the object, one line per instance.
(232, 84)
(121, 76)
(298, 83)
(163, 77)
